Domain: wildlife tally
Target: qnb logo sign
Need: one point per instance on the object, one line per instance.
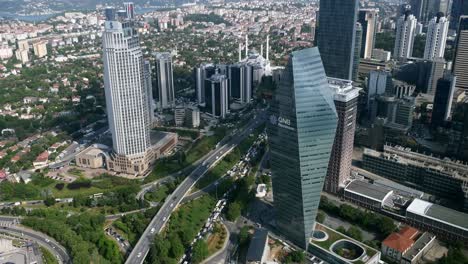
(281, 122)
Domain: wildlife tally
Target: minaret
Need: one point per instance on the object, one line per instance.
(268, 48)
(246, 46)
(240, 52)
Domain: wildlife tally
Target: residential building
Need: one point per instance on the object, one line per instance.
(441, 177)
(126, 98)
(405, 34)
(460, 64)
(436, 37)
(22, 55)
(443, 100)
(368, 20)
(301, 131)
(345, 97)
(336, 37)
(5, 52)
(165, 79)
(40, 49)
(407, 246)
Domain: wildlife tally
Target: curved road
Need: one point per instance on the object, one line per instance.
(141, 249)
(43, 240)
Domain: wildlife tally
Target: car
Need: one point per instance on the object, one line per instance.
(164, 219)
(172, 204)
(152, 230)
(139, 255)
(47, 240)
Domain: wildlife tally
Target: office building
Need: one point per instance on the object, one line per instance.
(444, 222)
(357, 51)
(402, 89)
(165, 79)
(378, 83)
(216, 95)
(460, 65)
(301, 131)
(381, 55)
(192, 116)
(179, 116)
(436, 37)
(405, 34)
(240, 82)
(203, 72)
(459, 8)
(443, 100)
(441, 177)
(259, 249)
(126, 98)
(423, 73)
(129, 10)
(109, 13)
(368, 20)
(336, 36)
(345, 97)
(40, 49)
(425, 10)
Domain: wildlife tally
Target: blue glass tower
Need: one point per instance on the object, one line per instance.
(336, 36)
(301, 131)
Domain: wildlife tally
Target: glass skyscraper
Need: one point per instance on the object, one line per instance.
(336, 36)
(301, 131)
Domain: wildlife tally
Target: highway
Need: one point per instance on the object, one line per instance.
(141, 249)
(49, 243)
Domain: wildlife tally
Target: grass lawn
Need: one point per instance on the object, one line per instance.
(48, 257)
(216, 240)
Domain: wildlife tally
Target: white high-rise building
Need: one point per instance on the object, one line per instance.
(165, 79)
(405, 33)
(127, 97)
(436, 37)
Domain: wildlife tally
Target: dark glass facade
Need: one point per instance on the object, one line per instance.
(301, 131)
(336, 36)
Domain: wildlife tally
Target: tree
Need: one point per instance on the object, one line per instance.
(49, 201)
(234, 211)
(295, 257)
(177, 249)
(200, 251)
(320, 217)
(244, 235)
(355, 233)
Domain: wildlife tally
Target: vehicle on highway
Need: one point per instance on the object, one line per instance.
(152, 230)
(139, 255)
(172, 204)
(164, 219)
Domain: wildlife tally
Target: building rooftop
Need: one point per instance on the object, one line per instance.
(343, 90)
(399, 154)
(403, 240)
(257, 245)
(371, 191)
(419, 245)
(439, 213)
